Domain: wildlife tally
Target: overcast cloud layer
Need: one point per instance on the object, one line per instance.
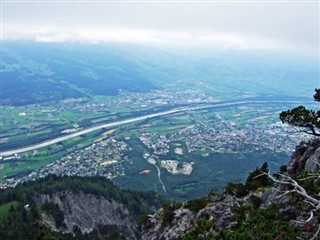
(245, 25)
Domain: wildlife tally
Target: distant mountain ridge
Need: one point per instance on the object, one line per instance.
(42, 72)
(36, 73)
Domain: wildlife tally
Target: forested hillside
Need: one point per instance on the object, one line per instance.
(50, 206)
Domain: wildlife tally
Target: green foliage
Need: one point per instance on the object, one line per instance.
(6, 208)
(237, 189)
(283, 169)
(19, 224)
(54, 210)
(168, 212)
(43, 234)
(252, 223)
(262, 224)
(240, 213)
(197, 204)
(202, 227)
(309, 120)
(255, 180)
(255, 201)
(310, 184)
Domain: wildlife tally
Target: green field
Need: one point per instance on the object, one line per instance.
(212, 168)
(5, 208)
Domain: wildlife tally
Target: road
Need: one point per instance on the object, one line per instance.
(130, 120)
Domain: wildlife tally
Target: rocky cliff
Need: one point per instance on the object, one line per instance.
(184, 217)
(86, 212)
(305, 158)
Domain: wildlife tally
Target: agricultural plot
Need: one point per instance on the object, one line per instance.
(174, 155)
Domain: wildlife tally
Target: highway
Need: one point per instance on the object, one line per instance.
(130, 120)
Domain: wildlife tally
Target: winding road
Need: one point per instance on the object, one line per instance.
(131, 120)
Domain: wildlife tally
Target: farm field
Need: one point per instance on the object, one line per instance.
(207, 141)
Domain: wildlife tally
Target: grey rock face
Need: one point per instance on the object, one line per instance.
(313, 162)
(183, 221)
(218, 210)
(306, 157)
(87, 211)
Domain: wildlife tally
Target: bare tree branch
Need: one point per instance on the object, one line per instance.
(296, 187)
(309, 203)
(285, 193)
(311, 216)
(309, 177)
(287, 180)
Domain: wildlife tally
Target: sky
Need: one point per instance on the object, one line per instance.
(277, 25)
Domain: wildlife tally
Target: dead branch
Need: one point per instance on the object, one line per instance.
(310, 176)
(287, 180)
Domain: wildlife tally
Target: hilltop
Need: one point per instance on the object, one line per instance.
(73, 208)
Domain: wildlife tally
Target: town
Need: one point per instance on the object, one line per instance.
(107, 155)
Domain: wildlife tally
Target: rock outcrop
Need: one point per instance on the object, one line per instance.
(218, 210)
(86, 212)
(306, 157)
(73, 207)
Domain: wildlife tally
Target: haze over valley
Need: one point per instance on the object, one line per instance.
(175, 106)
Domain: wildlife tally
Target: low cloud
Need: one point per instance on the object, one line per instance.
(284, 25)
(144, 36)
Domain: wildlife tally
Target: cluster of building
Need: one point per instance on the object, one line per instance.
(104, 158)
(225, 137)
(229, 137)
(158, 143)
